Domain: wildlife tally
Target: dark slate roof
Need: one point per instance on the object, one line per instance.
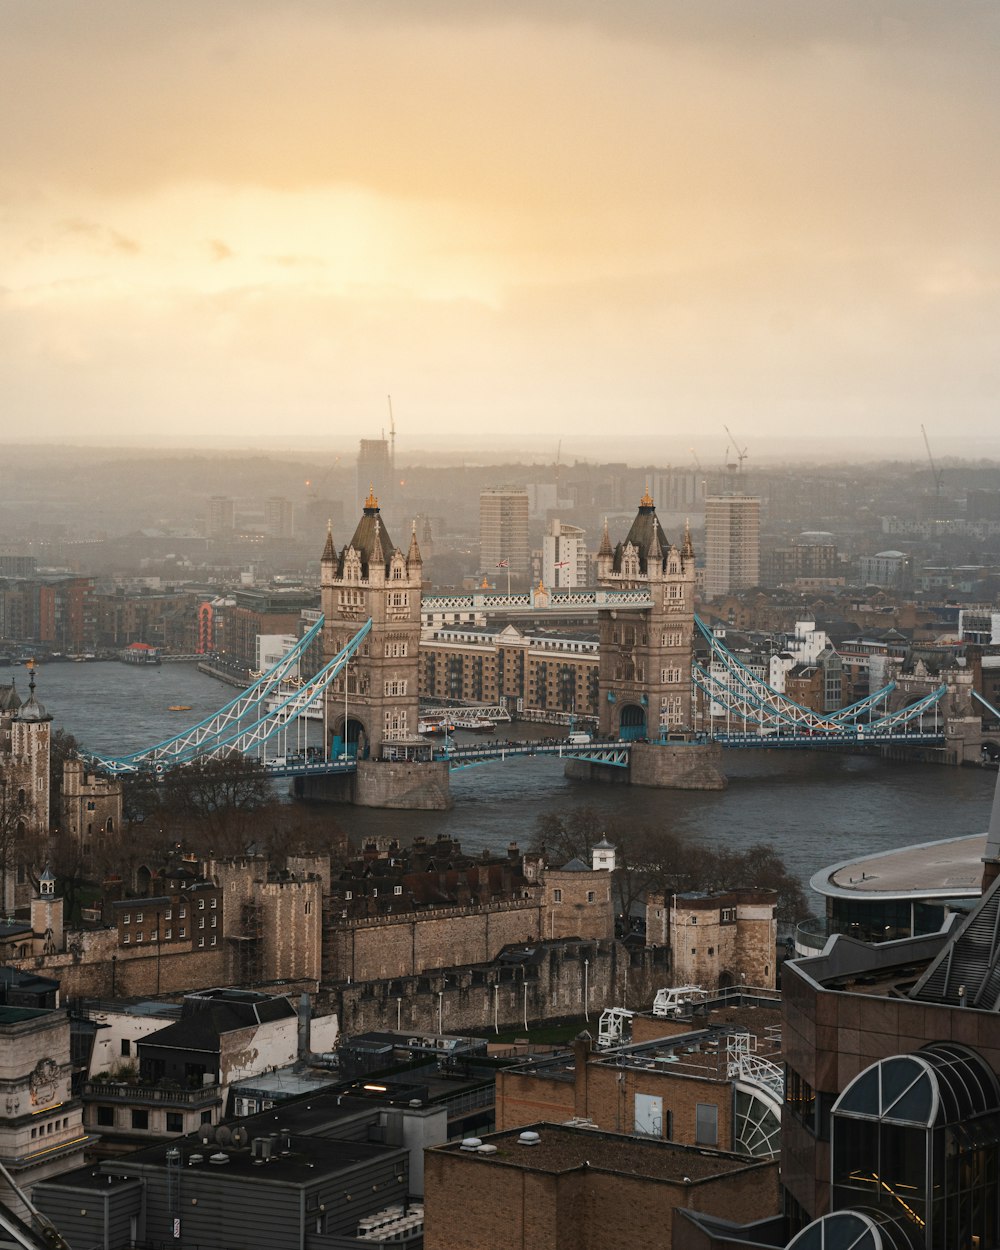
(645, 535)
(371, 538)
(9, 699)
(575, 865)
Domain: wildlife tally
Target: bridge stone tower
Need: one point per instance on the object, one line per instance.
(645, 670)
(645, 667)
(375, 717)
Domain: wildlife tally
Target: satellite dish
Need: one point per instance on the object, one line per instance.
(224, 1135)
(239, 1136)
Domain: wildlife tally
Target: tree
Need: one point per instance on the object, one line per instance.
(11, 833)
(658, 859)
(62, 747)
(222, 800)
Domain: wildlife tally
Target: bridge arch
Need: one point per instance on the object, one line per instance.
(632, 722)
(358, 738)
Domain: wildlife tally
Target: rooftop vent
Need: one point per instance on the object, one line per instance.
(487, 1149)
(196, 1158)
(528, 1138)
(218, 1158)
(471, 1143)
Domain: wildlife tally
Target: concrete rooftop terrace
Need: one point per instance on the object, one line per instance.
(949, 868)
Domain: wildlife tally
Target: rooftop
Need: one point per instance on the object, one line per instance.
(561, 1148)
(949, 868)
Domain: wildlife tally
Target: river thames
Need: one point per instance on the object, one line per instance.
(815, 807)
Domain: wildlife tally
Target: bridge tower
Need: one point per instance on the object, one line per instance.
(645, 668)
(375, 717)
(644, 683)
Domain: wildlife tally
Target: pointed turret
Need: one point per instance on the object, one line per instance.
(329, 551)
(605, 553)
(687, 551)
(413, 557)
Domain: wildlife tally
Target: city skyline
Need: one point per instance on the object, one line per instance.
(249, 223)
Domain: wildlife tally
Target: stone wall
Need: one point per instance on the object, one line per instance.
(409, 944)
(559, 985)
(398, 784)
(677, 766)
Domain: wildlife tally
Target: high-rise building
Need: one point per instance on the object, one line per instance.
(279, 517)
(732, 543)
(220, 517)
(503, 530)
(375, 472)
(564, 556)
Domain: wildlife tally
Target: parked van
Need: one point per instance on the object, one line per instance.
(579, 739)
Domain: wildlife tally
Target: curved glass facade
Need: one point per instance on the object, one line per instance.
(917, 1137)
(855, 1230)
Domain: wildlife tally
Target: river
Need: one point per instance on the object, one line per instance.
(815, 807)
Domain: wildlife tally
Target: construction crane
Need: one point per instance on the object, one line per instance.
(937, 474)
(741, 454)
(696, 460)
(392, 438)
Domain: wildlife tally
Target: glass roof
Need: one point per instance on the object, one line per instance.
(855, 1230)
(943, 1083)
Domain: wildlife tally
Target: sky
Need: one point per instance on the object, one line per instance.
(546, 225)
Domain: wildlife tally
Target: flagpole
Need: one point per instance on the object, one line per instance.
(508, 579)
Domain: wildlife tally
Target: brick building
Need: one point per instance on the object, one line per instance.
(561, 1188)
(685, 1081)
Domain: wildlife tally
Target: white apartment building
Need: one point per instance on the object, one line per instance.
(565, 562)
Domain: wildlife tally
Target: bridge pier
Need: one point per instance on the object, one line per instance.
(402, 785)
(660, 766)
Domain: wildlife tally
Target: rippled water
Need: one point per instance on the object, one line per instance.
(816, 807)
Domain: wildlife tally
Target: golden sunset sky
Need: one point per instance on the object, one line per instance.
(619, 224)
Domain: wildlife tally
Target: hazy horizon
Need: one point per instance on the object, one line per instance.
(621, 228)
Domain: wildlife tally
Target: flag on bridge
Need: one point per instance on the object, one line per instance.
(503, 564)
(562, 564)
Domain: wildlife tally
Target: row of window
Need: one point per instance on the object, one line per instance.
(169, 915)
(167, 936)
(557, 896)
(373, 893)
(173, 1121)
(46, 1130)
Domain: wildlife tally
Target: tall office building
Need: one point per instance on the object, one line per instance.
(564, 556)
(732, 543)
(220, 516)
(503, 530)
(279, 517)
(376, 473)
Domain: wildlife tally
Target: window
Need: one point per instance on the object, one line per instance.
(214, 903)
(557, 896)
(694, 919)
(375, 892)
(138, 936)
(182, 931)
(214, 921)
(126, 1046)
(91, 805)
(138, 917)
(127, 918)
(175, 1122)
(125, 939)
(167, 934)
(140, 1119)
(105, 1117)
(201, 941)
(591, 896)
(183, 912)
(201, 904)
(201, 922)
(397, 889)
(348, 894)
(706, 1119)
(213, 941)
(206, 1117)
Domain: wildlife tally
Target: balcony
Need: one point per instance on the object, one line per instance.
(137, 1093)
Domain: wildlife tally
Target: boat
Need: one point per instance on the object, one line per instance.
(475, 724)
(435, 728)
(139, 653)
(179, 707)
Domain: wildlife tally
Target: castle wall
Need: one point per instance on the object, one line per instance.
(558, 986)
(407, 945)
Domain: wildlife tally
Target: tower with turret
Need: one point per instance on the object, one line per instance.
(645, 668)
(374, 701)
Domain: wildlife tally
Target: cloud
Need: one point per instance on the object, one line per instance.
(220, 250)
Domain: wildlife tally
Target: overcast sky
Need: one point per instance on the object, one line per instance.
(618, 225)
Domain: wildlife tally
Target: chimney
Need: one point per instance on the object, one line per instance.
(583, 1044)
(305, 1016)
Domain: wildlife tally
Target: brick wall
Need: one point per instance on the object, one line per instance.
(471, 1203)
(292, 930)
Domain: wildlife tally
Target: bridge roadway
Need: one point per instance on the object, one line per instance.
(566, 603)
(607, 751)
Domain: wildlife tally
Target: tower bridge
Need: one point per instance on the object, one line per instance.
(650, 684)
